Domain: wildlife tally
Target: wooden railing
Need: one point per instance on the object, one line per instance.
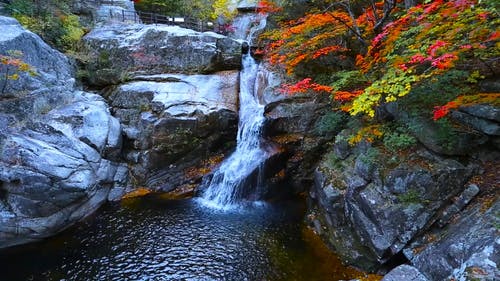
(154, 18)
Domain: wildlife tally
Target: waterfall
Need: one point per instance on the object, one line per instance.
(233, 180)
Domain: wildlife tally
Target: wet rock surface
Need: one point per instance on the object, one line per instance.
(404, 272)
(298, 124)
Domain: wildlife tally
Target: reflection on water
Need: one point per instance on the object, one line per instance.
(156, 239)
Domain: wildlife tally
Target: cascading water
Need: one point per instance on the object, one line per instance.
(229, 183)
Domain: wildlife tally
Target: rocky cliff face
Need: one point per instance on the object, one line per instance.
(429, 207)
(378, 209)
(173, 123)
(63, 154)
(59, 147)
(120, 52)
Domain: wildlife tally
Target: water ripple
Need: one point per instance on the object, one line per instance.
(154, 239)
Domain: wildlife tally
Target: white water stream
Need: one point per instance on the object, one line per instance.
(229, 184)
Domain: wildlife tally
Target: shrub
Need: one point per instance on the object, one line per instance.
(332, 161)
(51, 20)
(371, 156)
(11, 66)
(397, 141)
(331, 122)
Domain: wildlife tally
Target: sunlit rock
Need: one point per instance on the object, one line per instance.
(120, 52)
(173, 121)
(59, 147)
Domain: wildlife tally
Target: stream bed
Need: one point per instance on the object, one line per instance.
(153, 238)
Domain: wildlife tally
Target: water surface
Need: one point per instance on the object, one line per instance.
(152, 238)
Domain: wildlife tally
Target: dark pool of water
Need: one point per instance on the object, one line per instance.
(156, 239)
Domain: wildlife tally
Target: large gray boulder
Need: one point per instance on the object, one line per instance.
(173, 122)
(52, 68)
(53, 166)
(119, 52)
(59, 147)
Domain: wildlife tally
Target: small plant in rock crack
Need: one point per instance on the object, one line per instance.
(11, 67)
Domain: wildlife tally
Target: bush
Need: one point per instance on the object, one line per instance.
(331, 122)
(332, 161)
(371, 156)
(441, 89)
(397, 141)
(348, 80)
(72, 32)
(51, 20)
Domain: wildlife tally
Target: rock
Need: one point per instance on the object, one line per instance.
(52, 68)
(123, 51)
(93, 12)
(52, 168)
(491, 85)
(120, 11)
(469, 193)
(297, 114)
(467, 249)
(377, 209)
(406, 273)
(90, 121)
(292, 122)
(59, 147)
(247, 5)
(172, 121)
(483, 111)
(484, 126)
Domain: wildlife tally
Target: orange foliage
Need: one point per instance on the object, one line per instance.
(267, 7)
(307, 39)
(370, 134)
(344, 96)
(482, 98)
(413, 47)
(304, 86)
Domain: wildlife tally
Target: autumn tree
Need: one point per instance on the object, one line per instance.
(425, 43)
(370, 53)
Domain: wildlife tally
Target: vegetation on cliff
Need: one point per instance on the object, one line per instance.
(51, 19)
(427, 56)
(198, 9)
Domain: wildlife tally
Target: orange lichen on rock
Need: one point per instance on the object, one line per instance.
(139, 192)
